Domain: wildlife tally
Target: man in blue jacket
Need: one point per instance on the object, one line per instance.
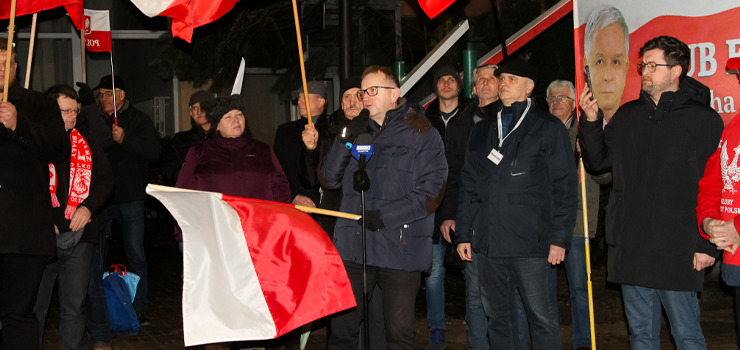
(407, 173)
(517, 209)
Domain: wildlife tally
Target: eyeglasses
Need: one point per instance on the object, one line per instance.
(69, 111)
(105, 94)
(560, 98)
(651, 66)
(372, 91)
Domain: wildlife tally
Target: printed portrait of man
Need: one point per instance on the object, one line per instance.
(606, 44)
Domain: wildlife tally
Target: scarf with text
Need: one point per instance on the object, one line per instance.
(80, 175)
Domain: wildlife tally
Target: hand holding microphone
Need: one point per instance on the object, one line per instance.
(356, 127)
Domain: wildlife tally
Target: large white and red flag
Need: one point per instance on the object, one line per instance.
(97, 31)
(252, 269)
(186, 14)
(707, 27)
(73, 7)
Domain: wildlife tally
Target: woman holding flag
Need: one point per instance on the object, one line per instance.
(230, 161)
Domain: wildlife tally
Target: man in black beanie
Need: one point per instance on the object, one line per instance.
(517, 209)
(183, 140)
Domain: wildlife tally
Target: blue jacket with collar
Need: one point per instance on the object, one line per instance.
(527, 202)
(407, 174)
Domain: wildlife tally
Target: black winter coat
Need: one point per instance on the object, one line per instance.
(657, 156)
(181, 143)
(528, 201)
(310, 162)
(288, 147)
(130, 160)
(101, 187)
(26, 222)
(465, 111)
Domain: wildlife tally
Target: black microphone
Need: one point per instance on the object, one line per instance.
(362, 150)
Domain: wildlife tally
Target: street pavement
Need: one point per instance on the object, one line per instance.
(165, 304)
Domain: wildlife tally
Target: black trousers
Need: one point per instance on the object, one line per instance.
(20, 277)
(399, 296)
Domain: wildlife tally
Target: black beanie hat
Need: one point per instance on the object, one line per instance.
(447, 70)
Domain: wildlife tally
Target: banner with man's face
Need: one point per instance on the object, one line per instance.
(610, 33)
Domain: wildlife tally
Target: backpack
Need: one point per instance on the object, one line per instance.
(120, 304)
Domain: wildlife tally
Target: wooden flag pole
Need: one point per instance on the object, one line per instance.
(300, 57)
(30, 51)
(9, 50)
(588, 253)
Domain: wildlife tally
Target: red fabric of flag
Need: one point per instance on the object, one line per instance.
(300, 272)
(186, 14)
(22, 8)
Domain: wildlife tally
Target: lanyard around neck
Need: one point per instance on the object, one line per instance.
(501, 137)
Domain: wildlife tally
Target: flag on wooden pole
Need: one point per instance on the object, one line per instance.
(252, 269)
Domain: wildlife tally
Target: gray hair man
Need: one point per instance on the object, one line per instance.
(522, 154)
(606, 45)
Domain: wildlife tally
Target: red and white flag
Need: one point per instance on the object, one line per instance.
(186, 14)
(252, 269)
(97, 31)
(73, 7)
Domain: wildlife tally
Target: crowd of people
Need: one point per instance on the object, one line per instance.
(491, 182)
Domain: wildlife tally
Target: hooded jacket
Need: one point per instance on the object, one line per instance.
(407, 173)
(657, 155)
(526, 202)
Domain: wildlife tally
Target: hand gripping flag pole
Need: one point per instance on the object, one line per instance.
(588, 253)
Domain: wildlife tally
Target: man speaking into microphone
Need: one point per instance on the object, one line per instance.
(407, 174)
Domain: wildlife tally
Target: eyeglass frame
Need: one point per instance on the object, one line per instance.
(361, 93)
(561, 98)
(108, 93)
(641, 66)
(69, 111)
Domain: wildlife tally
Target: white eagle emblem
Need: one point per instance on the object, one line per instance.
(730, 171)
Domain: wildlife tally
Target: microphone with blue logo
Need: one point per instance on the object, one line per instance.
(362, 150)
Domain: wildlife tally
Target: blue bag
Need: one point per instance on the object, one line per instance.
(120, 306)
(131, 279)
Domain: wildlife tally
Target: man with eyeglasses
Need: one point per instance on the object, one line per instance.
(517, 209)
(561, 102)
(83, 184)
(31, 136)
(485, 92)
(407, 172)
(137, 145)
(183, 140)
(656, 147)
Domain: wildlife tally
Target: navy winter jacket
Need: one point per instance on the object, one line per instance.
(407, 174)
(528, 201)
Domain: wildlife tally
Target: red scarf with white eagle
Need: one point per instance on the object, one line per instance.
(80, 174)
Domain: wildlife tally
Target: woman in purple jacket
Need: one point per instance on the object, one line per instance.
(230, 161)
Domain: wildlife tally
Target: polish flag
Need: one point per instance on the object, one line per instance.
(186, 14)
(28, 7)
(252, 269)
(97, 31)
